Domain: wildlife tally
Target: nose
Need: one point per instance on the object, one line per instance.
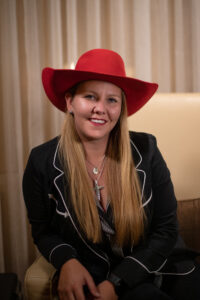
(99, 107)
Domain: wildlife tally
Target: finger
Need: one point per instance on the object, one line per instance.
(92, 287)
(65, 295)
(69, 296)
(79, 294)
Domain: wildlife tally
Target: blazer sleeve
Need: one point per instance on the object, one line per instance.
(150, 256)
(48, 241)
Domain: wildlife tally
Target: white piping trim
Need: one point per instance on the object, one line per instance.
(51, 196)
(144, 204)
(145, 266)
(64, 214)
(58, 247)
(157, 271)
(138, 153)
(144, 173)
(174, 274)
(69, 212)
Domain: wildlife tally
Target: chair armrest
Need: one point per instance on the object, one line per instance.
(39, 282)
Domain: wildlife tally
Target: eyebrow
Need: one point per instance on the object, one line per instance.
(110, 95)
(113, 95)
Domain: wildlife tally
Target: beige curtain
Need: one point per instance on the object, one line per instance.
(158, 39)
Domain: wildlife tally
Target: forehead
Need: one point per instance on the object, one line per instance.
(97, 86)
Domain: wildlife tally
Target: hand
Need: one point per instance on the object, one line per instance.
(106, 290)
(73, 276)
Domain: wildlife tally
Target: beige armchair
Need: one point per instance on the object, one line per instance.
(175, 120)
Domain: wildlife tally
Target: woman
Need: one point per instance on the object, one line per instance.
(100, 199)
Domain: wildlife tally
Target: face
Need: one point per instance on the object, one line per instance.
(96, 107)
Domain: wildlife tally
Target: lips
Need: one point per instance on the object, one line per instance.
(98, 121)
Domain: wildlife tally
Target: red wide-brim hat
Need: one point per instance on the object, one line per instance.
(97, 64)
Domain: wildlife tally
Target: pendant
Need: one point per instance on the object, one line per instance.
(95, 171)
(98, 189)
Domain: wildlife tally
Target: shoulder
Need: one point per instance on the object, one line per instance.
(45, 149)
(41, 157)
(143, 142)
(148, 158)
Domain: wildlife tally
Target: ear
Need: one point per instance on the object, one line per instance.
(68, 100)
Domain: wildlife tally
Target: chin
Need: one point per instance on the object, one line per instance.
(97, 136)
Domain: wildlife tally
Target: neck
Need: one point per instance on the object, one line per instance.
(94, 150)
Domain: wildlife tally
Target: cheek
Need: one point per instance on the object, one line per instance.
(81, 108)
(116, 113)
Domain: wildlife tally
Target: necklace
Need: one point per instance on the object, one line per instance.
(97, 187)
(95, 170)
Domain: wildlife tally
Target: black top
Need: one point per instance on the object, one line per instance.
(57, 234)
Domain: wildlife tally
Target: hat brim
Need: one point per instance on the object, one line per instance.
(56, 82)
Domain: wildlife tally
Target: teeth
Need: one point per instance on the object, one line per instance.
(98, 121)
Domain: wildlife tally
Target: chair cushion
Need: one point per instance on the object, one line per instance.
(40, 281)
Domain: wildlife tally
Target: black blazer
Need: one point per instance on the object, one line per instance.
(57, 234)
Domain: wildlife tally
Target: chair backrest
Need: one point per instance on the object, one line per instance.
(175, 121)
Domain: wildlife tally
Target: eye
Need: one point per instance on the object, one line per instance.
(90, 97)
(112, 100)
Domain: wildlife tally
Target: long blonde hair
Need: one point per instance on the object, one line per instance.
(121, 180)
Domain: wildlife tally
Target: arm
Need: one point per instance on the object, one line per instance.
(150, 256)
(73, 275)
(40, 213)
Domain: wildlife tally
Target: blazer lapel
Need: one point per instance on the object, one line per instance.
(138, 159)
(58, 175)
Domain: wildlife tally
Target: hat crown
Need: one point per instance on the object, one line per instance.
(101, 61)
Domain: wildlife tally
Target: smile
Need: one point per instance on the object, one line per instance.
(98, 121)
